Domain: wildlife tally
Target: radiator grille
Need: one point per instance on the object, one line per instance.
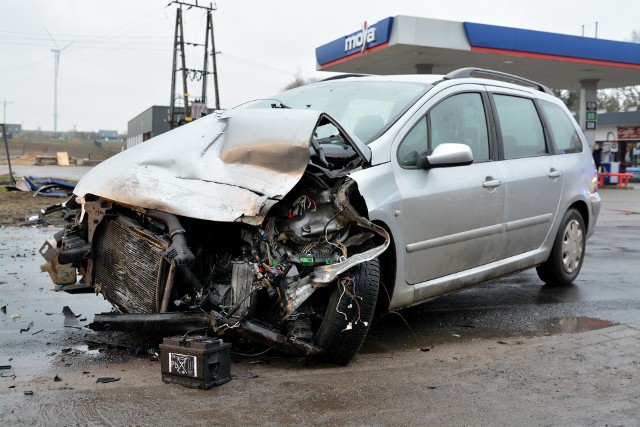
(127, 266)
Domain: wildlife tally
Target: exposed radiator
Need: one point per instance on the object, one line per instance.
(128, 265)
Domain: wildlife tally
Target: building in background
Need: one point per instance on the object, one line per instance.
(12, 129)
(109, 135)
(618, 135)
(151, 122)
(409, 44)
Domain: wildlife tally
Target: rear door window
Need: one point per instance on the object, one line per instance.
(520, 126)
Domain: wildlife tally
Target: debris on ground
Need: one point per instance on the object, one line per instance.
(57, 378)
(27, 328)
(17, 207)
(70, 319)
(28, 393)
(105, 380)
(49, 187)
(6, 371)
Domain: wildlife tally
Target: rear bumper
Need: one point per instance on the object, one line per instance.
(595, 202)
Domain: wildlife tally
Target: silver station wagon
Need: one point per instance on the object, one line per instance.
(288, 222)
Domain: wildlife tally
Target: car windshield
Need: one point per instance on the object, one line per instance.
(364, 108)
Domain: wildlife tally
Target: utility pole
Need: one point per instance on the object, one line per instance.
(56, 55)
(178, 45)
(179, 48)
(4, 114)
(6, 146)
(213, 60)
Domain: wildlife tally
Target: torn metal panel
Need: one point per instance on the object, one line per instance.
(224, 168)
(326, 274)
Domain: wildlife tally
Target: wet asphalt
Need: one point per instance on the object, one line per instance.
(33, 329)
(606, 292)
(509, 352)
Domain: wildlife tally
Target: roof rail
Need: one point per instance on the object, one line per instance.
(344, 76)
(466, 72)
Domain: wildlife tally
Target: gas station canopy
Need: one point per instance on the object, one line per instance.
(408, 45)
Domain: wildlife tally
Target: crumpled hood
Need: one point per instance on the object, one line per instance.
(228, 167)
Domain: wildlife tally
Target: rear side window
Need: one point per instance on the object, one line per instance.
(565, 136)
(522, 134)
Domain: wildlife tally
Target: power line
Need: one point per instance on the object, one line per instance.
(257, 64)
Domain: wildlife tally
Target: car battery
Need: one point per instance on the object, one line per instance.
(197, 362)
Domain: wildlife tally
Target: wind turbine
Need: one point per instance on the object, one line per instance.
(56, 53)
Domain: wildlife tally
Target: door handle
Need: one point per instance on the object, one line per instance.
(491, 183)
(554, 173)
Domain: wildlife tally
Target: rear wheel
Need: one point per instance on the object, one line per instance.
(349, 313)
(566, 257)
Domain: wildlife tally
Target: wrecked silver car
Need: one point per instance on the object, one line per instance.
(289, 221)
(244, 226)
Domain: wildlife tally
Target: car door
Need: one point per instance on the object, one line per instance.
(451, 216)
(533, 182)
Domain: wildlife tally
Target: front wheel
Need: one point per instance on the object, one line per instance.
(349, 313)
(567, 254)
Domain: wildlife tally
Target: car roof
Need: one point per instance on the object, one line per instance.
(459, 76)
(410, 78)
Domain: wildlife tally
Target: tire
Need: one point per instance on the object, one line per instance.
(334, 336)
(567, 254)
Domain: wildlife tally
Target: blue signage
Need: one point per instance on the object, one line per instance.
(560, 45)
(367, 37)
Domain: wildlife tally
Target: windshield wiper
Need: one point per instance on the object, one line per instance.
(332, 139)
(280, 105)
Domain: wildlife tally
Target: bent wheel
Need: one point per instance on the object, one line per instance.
(566, 257)
(349, 313)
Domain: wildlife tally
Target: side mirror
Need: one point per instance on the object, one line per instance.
(445, 155)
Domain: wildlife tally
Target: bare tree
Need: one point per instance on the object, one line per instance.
(299, 80)
(570, 98)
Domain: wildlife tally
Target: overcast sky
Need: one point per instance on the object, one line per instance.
(119, 54)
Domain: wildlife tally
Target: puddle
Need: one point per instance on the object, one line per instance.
(564, 325)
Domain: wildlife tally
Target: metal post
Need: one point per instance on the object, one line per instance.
(204, 66)
(179, 44)
(215, 67)
(187, 114)
(6, 146)
(4, 113)
(172, 101)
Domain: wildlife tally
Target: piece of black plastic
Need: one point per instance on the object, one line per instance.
(105, 380)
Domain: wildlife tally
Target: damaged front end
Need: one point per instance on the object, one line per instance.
(278, 251)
